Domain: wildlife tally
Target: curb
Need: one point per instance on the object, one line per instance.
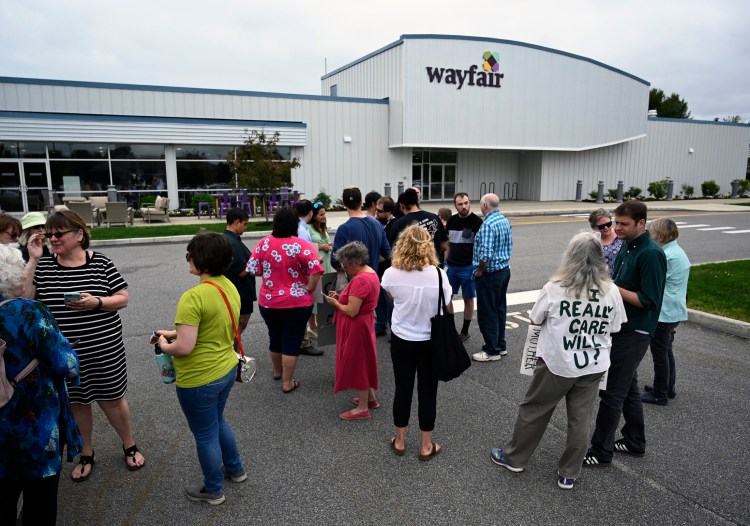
(719, 323)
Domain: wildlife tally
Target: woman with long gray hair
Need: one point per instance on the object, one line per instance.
(577, 309)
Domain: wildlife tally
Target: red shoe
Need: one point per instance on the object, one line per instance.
(372, 404)
(351, 415)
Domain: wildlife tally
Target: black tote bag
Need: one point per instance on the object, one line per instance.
(449, 357)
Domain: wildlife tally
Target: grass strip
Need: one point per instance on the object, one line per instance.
(721, 289)
(133, 232)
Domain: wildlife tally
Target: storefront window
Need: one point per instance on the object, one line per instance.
(192, 152)
(87, 176)
(8, 150)
(77, 151)
(139, 175)
(136, 151)
(32, 150)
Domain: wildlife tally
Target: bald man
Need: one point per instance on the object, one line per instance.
(493, 245)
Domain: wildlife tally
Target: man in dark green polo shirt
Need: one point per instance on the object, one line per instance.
(640, 274)
(237, 219)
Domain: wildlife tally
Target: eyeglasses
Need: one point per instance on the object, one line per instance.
(604, 225)
(318, 205)
(12, 235)
(58, 235)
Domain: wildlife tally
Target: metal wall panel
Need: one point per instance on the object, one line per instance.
(477, 171)
(718, 153)
(547, 100)
(378, 77)
(530, 176)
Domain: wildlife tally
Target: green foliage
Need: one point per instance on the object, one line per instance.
(632, 193)
(744, 186)
(688, 191)
(200, 198)
(658, 189)
(612, 193)
(322, 197)
(709, 188)
(721, 288)
(147, 200)
(259, 165)
(594, 195)
(733, 118)
(672, 107)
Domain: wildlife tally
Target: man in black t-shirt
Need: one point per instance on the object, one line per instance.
(409, 203)
(462, 229)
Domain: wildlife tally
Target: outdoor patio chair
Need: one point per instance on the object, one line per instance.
(273, 202)
(84, 210)
(160, 210)
(225, 204)
(118, 213)
(202, 207)
(243, 201)
(99, 205)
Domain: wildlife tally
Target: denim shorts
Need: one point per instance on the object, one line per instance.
(462, 277)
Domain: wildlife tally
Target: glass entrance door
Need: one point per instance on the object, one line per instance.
(11, 198)
(35, 185)
(442, 183)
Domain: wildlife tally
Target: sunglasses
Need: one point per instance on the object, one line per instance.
(317, 205)
(604, 225)
(13, 236)
(58, 235)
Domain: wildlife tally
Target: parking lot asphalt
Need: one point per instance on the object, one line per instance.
(306, 466)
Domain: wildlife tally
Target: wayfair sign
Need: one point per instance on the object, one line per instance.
(487, 78)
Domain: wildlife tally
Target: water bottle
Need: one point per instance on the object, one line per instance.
(164, 362)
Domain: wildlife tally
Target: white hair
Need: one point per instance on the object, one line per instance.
(11, 269)
(583, 266)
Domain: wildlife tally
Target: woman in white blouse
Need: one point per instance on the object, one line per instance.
(578, 309)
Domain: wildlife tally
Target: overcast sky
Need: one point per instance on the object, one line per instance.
(697, 48)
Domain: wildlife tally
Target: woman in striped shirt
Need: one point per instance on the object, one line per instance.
(84, 291)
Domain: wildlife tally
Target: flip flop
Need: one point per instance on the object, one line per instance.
(399, 452)
(436, 449)
(295, 383)
(83, 461)
(130, 454)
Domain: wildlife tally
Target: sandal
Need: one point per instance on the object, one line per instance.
(83, 462)
(295, 385)
(436, 449)
(130, 454)
(397, 451)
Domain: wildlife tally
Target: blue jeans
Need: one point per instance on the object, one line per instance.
(492, 288)
(204, 409)
(383, 311)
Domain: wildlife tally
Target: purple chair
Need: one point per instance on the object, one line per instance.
(204, 205)
(224, 205)
(243, 201)
(273, 202)
(284, 197)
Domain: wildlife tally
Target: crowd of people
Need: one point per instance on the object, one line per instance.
(620, 289)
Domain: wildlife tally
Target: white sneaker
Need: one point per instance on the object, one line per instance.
(482, 356)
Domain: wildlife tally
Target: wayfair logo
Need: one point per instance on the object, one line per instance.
(489, 78)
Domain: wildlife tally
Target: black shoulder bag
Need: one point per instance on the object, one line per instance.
(449, 357)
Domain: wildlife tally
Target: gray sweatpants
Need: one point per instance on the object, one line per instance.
(545, 391)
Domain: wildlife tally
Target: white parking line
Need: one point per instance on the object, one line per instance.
(737, 232)
(716, 228)
(693, 226)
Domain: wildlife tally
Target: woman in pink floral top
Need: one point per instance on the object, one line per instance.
(290, 271)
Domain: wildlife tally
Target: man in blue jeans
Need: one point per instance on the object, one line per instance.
(493, 245)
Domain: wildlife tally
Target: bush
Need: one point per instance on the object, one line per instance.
(594, 195)
(322, 197)
(147, 201)
(688, 191)
(658, 189)
(200, 198)
(632, 193)
(709, 188)
(744, 187)
(612, 193)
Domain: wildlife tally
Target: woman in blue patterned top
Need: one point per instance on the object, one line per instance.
(601, 221)
(37, 421)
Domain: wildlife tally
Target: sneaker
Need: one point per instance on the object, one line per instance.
(465, 336)
(592, 460)
(498, 457)
(311, 351)
(621, 447)
(671, 394)
(503, 353)
(238, 477)
(482, 356)
(565, 483)
(651, 398)
(199, 494)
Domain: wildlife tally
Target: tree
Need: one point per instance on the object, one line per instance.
(733, 118)
(673, 107)
(259, 166)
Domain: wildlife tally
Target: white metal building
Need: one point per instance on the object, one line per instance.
(448, 113)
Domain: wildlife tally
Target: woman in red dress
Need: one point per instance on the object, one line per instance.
(356, 355)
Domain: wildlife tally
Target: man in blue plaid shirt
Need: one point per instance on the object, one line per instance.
(491, 264)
